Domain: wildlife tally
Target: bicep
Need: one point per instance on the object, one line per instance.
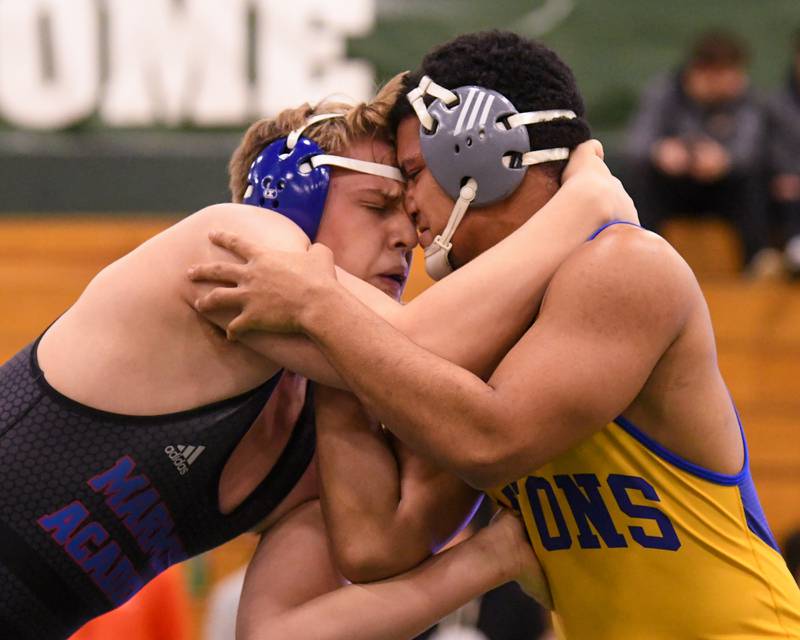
(264, 228)
(435, 504)
(603, 327)
(560, 386)
(293, 352)
(275, 232)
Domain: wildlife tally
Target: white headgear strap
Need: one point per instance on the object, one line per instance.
(362, 166)
(437, 262)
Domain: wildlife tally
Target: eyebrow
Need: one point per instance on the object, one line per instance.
(390, 196)
(407, 162)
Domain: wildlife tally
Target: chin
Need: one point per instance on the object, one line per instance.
(394, 295)
(392, 291)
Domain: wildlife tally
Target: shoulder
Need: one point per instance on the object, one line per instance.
(626, 275)
(620, 246)
(273, 229)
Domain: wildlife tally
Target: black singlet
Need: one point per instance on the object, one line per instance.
(93, 504)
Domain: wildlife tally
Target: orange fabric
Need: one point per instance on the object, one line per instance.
(160, 611)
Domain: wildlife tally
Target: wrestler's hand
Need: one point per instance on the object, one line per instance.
(509, 533)
(270, 289)
(589, 178)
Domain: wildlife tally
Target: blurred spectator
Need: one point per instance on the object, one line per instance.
(696, 144)
(223, 603)
(162, 610)
(784, 159)
(505, 613)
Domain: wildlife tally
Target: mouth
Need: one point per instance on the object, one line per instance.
(393, 282)
(399, 278)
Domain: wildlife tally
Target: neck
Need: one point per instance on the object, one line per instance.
(484, 227)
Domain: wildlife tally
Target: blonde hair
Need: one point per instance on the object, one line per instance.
(364, 119)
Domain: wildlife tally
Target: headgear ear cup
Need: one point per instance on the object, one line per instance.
(470, 141)
(477, 148)
(277, 182)
(292, 176)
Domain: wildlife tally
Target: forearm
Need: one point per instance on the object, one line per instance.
(399, 608)
(503, 287)
(411, 389)
(291, 351)
(360, 492)
(387, 509)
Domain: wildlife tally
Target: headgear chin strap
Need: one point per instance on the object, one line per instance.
(475, 144)
(291, 175)
(437, 261)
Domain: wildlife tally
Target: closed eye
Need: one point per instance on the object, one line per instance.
(374, 206)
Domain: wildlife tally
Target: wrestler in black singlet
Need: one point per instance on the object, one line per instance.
(94, 504)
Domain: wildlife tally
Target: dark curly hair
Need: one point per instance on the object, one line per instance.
(526, 72)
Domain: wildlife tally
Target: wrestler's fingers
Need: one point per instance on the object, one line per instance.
(219, 298)
(597, 148)
(216, 271)
(586, 158)
(321, 255)
(236, 327)
(321, 251)
(233, 243)
(588, 151)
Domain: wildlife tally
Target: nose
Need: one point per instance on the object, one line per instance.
(410, 204)
(403, 233)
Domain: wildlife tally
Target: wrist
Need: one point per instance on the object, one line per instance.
(319, 300)
(492, 544)
(585, 198)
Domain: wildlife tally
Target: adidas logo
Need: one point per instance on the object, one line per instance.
(183, 456)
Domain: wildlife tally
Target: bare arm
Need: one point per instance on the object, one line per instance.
(386, 508)
(611, 312)
(502, 288)
(291, 586)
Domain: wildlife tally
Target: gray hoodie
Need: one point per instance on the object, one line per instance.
(666, 111)
(784, 128)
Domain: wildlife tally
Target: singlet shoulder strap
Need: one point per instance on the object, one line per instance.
(285, 473)
(611, 224)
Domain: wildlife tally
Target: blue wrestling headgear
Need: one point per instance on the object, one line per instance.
(291, 175)
(476, 146)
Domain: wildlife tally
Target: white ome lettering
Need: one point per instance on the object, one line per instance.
(170, 63)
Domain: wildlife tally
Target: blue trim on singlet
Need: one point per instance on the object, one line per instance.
(610, 224)
(754, 514)
(673, 458)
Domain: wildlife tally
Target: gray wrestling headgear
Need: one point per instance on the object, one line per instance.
(475, 144)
